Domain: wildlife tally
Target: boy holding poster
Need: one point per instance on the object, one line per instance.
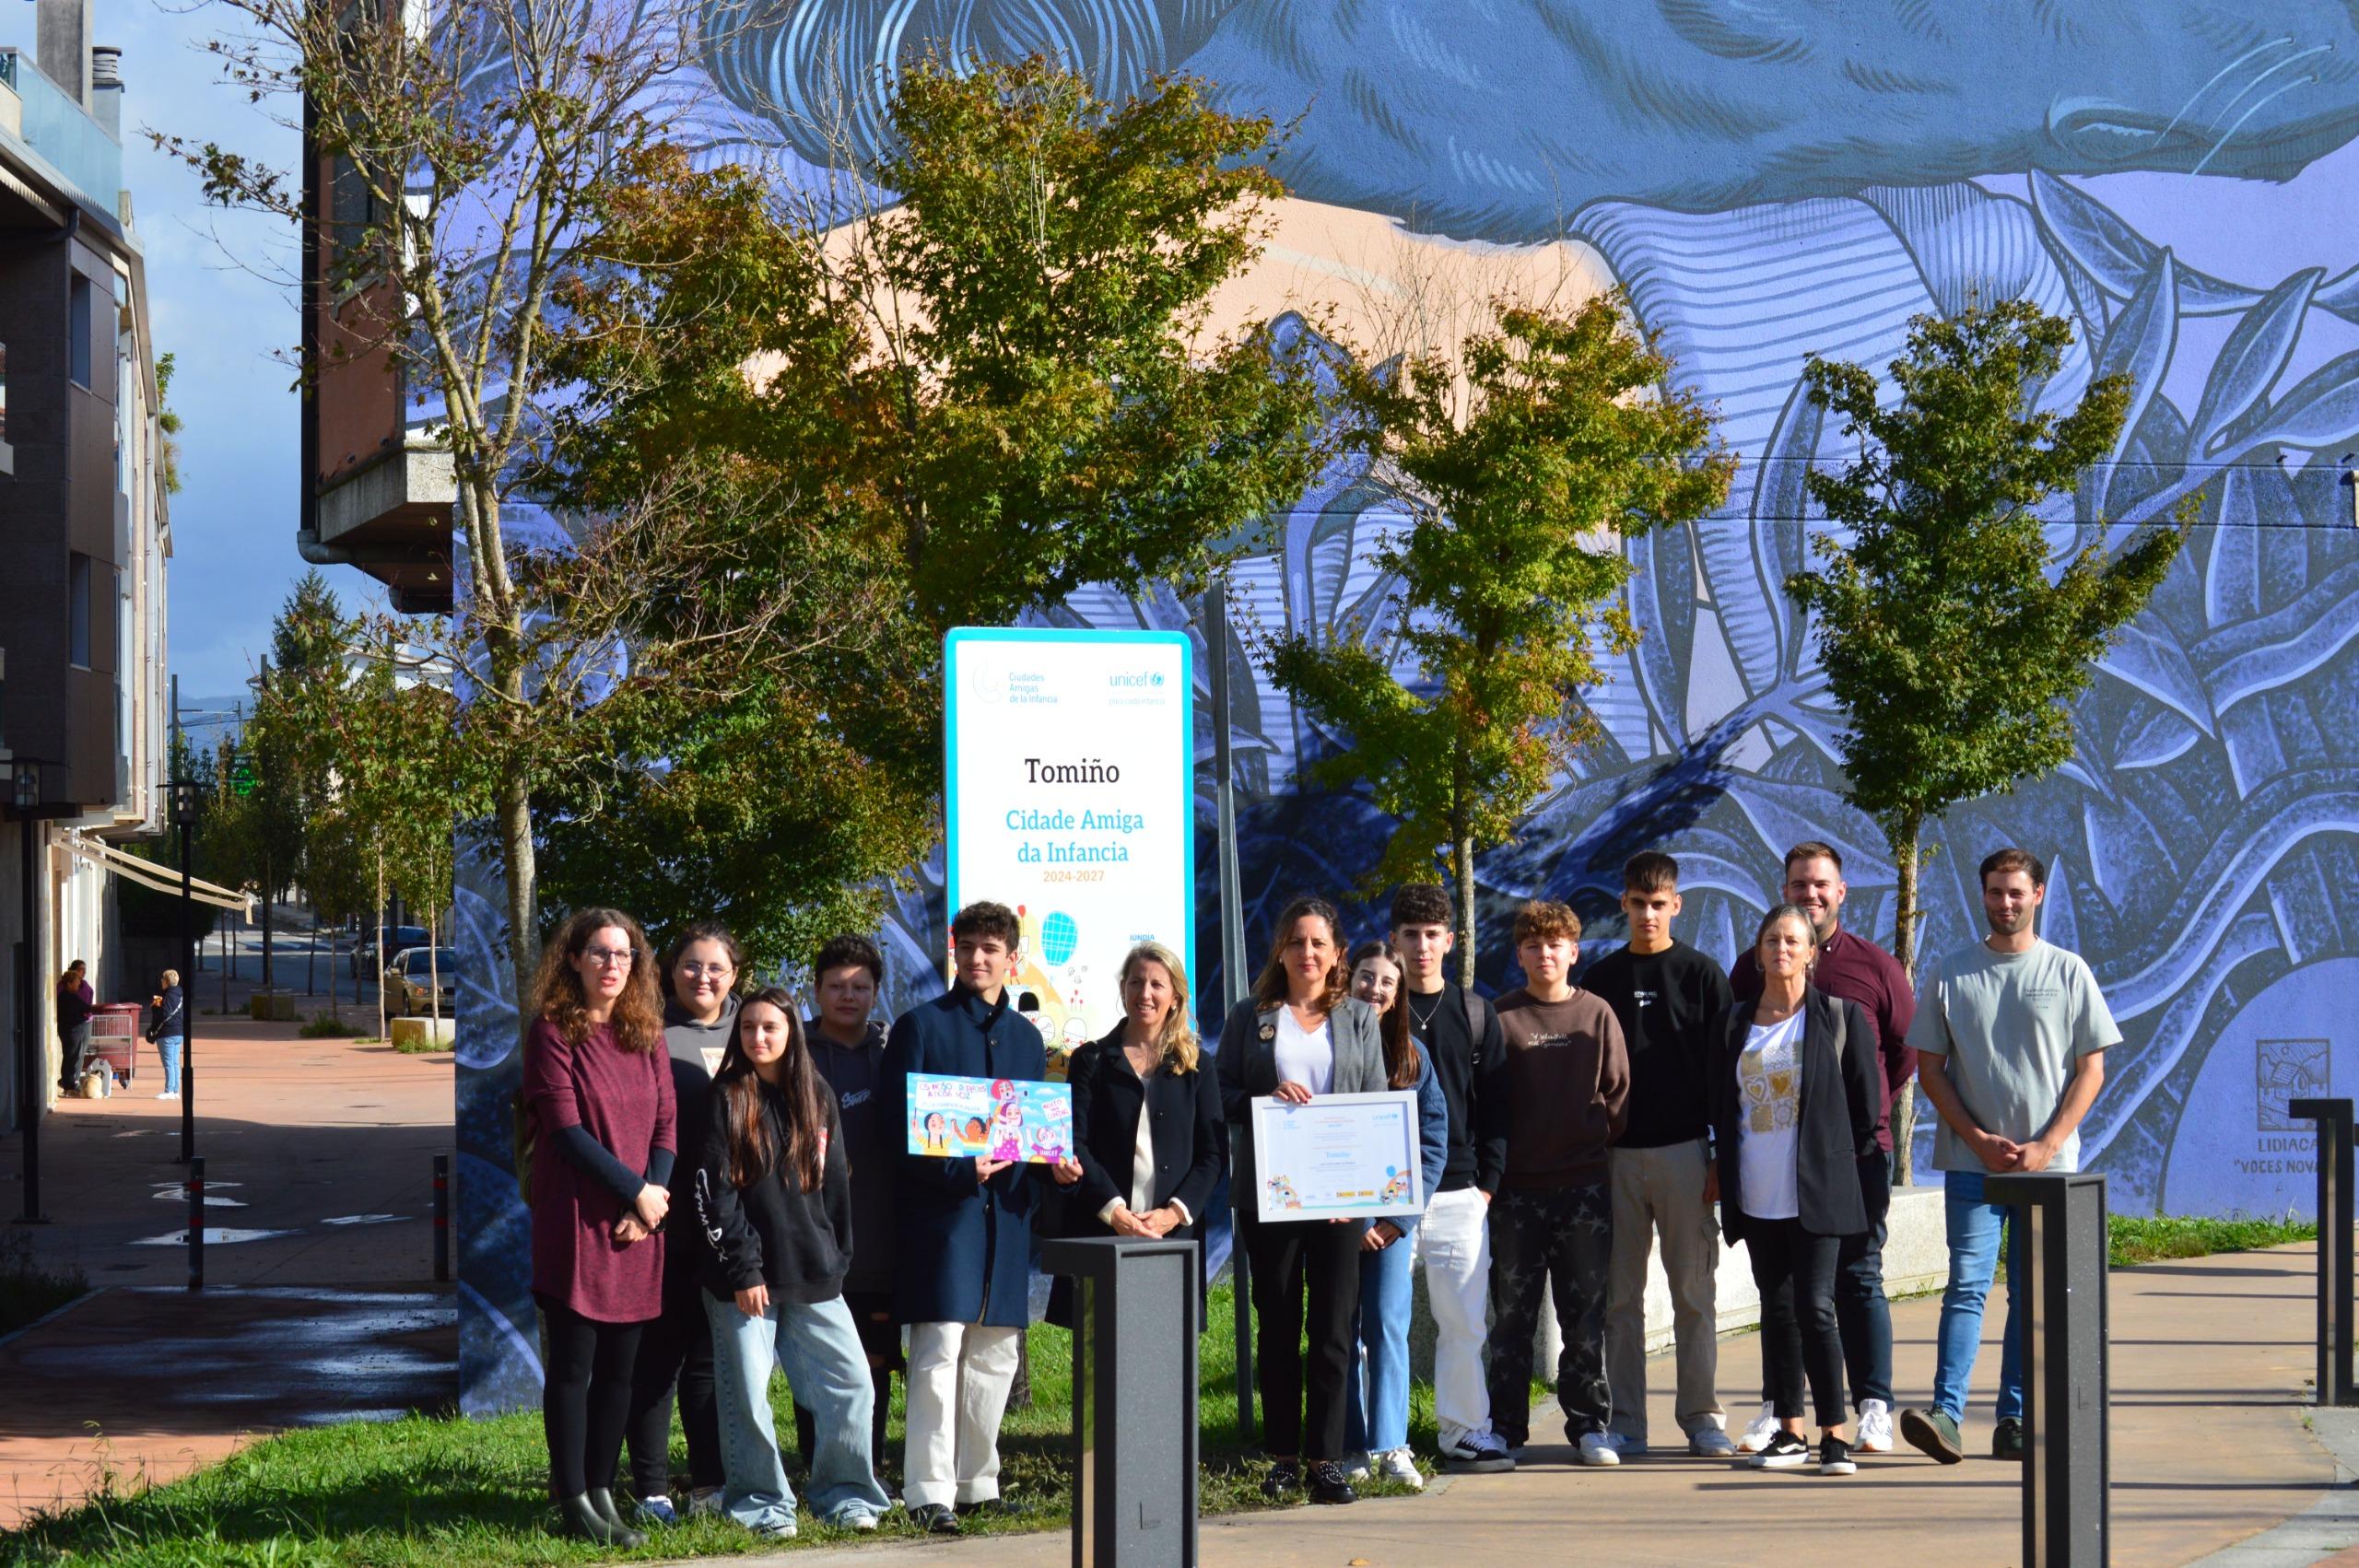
(970, 1219)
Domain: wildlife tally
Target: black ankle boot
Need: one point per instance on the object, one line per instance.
(581, 1517)
(602, 1498)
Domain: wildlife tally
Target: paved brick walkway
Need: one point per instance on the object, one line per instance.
(323, 1146)
(2210, 1362)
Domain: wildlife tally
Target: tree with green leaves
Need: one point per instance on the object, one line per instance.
(1570, 441)
(1956, 636)
(863, 433)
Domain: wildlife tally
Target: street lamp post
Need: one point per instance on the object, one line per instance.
(24, 796)
(188, 805)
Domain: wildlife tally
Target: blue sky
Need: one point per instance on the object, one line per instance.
(216, 286)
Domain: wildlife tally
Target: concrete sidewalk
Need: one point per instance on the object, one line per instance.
(2209, 1445)
(319, 1152)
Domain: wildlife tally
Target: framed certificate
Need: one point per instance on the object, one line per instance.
(1340, 1157)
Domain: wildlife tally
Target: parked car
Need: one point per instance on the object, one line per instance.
(409, 975)
(369, 957)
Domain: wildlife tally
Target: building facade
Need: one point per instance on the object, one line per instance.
(84, 711)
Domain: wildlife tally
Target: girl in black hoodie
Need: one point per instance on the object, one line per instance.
(773, 1205)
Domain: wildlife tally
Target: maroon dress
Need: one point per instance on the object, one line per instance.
(624, 1100)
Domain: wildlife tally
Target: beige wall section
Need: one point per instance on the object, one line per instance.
(1388, 290)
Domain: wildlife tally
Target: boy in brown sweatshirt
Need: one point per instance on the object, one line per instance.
(1553, 1226)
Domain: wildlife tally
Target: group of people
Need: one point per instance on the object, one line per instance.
(166, 1029)
(721, 1188)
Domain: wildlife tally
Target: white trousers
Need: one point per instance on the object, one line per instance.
(957, 1380)
(1454, 1244)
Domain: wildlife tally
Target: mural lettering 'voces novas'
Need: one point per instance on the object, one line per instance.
(1768, 179)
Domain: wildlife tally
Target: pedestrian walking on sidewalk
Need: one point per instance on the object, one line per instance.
(1298, 1036)
(1796, 1099)
(700, 980)
(773, 1214)
(1552, 1230)
(168, 1030)
(597, 1097)
(1671, 1001)
(1855, 969)
(76, 1002)
(2010, 1040)
(1376, 1412)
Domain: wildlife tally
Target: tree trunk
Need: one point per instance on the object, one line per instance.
(1906, 861)
(267, 886)
(312, 959)
(434, 976)
(379, 916)
(334, 1012)
(521, 870)
(1464, 854)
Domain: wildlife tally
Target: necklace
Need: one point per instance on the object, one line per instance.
(1424, 1021)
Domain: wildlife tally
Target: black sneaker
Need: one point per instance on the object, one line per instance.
(1834, 1456)
(2007, 1440)
(1328, 1483)
(1786, 1451)
(1283, 1481)
(936, 1519)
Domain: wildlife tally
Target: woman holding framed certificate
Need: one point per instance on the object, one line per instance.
(1298, 1038)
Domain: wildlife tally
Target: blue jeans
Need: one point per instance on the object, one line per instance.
(1375, 1386)
(1973, 1228)
(817, 1346)
(170, 1048)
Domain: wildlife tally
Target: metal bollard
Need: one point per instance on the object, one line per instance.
(196, 1222)
(1134, 1498)
(2335, 1218)
(441, 1219)
(2067, 1452)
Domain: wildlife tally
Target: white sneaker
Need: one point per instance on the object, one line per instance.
(1356, 1467)
(1398, 1465)
(705, 1503)
(1477, 1453)
(1711, 1443)
(1765, 1427)
(1875, 1427)
(1597, 1448)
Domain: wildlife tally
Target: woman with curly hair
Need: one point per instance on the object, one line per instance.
(598, 1096)
(1298, 1036)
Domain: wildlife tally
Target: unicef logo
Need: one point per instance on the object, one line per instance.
(1155, 679)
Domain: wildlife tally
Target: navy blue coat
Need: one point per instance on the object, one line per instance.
(962, 1249)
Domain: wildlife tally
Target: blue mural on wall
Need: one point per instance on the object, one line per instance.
(1767, 179)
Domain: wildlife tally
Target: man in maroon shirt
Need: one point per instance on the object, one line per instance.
(1853, 967)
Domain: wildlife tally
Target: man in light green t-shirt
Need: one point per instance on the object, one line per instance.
(2010, 1035)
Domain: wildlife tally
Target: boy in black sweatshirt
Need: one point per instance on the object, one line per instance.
(1668, 998)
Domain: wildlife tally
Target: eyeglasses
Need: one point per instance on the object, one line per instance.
(696, 971)
(608, 957)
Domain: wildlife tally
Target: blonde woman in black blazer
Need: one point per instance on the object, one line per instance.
(1148, 1081)
(1300, 1036)
(1796, 1096)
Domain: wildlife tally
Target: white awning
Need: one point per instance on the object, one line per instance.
(155, 875)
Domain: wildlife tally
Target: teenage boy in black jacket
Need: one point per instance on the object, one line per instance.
(1671, 1001)
(1460, 1033)
(848, 1048)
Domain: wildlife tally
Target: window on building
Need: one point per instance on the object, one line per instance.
(77, 329)
(77, 610)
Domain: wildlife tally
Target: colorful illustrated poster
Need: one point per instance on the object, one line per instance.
(1070, 784)
(1340, 1156)
(990, 1119)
